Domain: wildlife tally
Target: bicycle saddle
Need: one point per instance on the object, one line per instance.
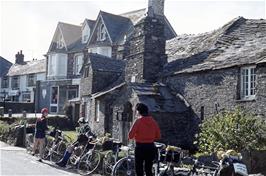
(159, 145)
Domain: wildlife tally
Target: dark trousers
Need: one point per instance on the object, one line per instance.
(144, 155)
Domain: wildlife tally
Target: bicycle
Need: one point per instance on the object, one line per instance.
(56, 147)
(126, 165)
(87, 162)
(167, 158)
(111, 157)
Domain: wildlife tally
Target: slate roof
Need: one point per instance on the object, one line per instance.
(136, 15)
(102, 63)
(239, 42)
(72, 37)
(4, 66)
(158, 97)
(116, 25)
(30, 67)
(91, 23)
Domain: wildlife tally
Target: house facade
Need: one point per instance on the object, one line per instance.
(220, 70)
(110, 109)
(65, 58)
(19, 84)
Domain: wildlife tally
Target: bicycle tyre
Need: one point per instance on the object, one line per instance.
(108, 163)
(47, 149)
(124, 167)
(58, 152)
(89, 163)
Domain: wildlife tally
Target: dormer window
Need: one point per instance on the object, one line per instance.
(85, 34)
(101, 33)
(60, 42)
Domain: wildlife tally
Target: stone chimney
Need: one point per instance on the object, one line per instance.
(146, 56)
(19, 58)
(156, 7)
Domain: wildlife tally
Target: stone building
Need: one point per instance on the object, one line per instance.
(109, 109)
(64, 62)
(220, 70)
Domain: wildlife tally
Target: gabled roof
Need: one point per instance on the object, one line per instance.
(239, 42)
(136, 15)
(4, 66)
(102, 63)
(157, 96)
(30, 67)
(90, 23)
(71, 36)
(116, 26)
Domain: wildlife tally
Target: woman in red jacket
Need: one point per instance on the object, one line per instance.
(144, 131)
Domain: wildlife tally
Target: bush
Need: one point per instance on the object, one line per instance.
(232, 130)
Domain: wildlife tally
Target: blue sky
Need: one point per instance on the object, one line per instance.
(30, 25)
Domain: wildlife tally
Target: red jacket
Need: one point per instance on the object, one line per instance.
(145, 130)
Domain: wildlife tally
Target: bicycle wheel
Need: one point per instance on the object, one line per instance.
(89, 163)
(47, 149)
(108, 163)
(124, 167)
(57, 152)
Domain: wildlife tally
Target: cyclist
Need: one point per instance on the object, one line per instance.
(83, 137)
(39, 137)
(144, 131)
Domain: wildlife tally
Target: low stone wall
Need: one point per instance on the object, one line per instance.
(18, 107)
(255, 161)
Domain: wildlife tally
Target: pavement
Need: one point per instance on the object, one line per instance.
(16, 161)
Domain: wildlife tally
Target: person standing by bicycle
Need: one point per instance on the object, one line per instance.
(84, 132)
(39, 137)
(144, 131)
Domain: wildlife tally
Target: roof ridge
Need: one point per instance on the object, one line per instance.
(64, 23)
(126, 13)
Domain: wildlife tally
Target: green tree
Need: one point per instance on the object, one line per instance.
(232, 130)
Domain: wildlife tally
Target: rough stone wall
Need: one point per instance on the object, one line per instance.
(218, 90)
(146, 52)
(177, 128)
(86, 84)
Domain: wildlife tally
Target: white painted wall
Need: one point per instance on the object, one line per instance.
(106, 50)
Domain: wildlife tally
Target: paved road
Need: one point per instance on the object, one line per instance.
(15, 161)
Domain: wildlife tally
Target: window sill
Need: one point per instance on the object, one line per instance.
(246, 100)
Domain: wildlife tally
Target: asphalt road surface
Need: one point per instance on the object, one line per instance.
(15, 161)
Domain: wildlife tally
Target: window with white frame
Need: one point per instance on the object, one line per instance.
(97, 111)
(248, 82)
(78, 61)
(15, 82)
(5, 82)
(101, 33)
(72, 93)
(26, 96)
(60, 42)
(31, 80)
